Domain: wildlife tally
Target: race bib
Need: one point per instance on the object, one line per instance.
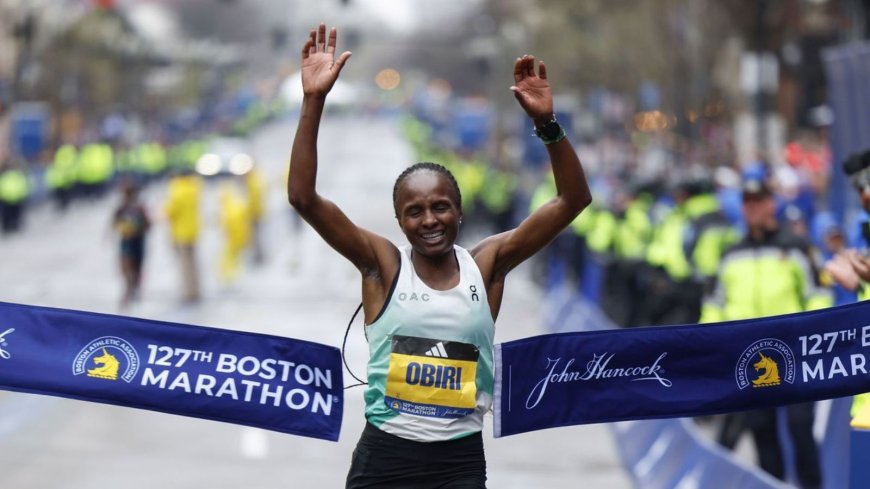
(432, 378)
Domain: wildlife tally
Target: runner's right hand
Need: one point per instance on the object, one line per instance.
(320, 69)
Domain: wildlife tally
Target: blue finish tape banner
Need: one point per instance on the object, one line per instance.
(603, 376)
(268, 382)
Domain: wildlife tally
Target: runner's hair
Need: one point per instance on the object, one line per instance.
(433, 167)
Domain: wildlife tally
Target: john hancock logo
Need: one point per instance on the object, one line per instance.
(3, 353)
(766, 363)
(108, 358)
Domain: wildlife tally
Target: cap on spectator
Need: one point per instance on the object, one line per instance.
(825, 224)
(755, 188)
(756, 170)
(856, 163)
(821, 116)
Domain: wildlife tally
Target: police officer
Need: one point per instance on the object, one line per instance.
(497, 197)
(631, 238)
(687, 246)
(61, 175)
(14, 190)
(95, 169)
(769, 272)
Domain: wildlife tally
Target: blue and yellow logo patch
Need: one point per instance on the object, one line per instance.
(107, 358)
(765, 363)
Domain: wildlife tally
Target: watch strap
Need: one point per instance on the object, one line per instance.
(550, 132)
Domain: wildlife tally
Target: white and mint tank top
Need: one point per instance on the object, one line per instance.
(430, 368)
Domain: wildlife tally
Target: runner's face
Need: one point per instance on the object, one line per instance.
(427, 212)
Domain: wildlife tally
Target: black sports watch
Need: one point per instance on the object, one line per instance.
(550, 132)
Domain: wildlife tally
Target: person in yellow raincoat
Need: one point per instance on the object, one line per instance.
(182, 210)
(255, 188)
(235, 221)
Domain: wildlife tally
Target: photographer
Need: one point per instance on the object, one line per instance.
(851, 267)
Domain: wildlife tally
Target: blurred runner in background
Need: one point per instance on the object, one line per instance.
(131, 223)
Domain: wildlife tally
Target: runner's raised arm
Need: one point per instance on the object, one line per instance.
(320, 70)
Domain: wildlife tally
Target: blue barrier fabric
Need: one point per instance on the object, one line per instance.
(603, 376)
(268, 382)
(859, 475)
(668, 453)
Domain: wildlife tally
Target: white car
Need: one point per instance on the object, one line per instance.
(225, 156)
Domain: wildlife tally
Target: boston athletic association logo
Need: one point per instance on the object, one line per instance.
(108, 358)
(765, 363)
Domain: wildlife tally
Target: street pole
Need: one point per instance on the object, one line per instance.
(760, 103)
(23, 33)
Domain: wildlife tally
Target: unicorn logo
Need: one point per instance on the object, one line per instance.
(107, 366)
(770, 374)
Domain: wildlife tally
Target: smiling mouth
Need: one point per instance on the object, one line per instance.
(432, 236)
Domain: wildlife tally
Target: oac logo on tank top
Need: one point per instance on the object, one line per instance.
(413, 297)
(429, 377)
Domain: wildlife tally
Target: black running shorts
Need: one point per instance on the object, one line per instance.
(382, 460)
